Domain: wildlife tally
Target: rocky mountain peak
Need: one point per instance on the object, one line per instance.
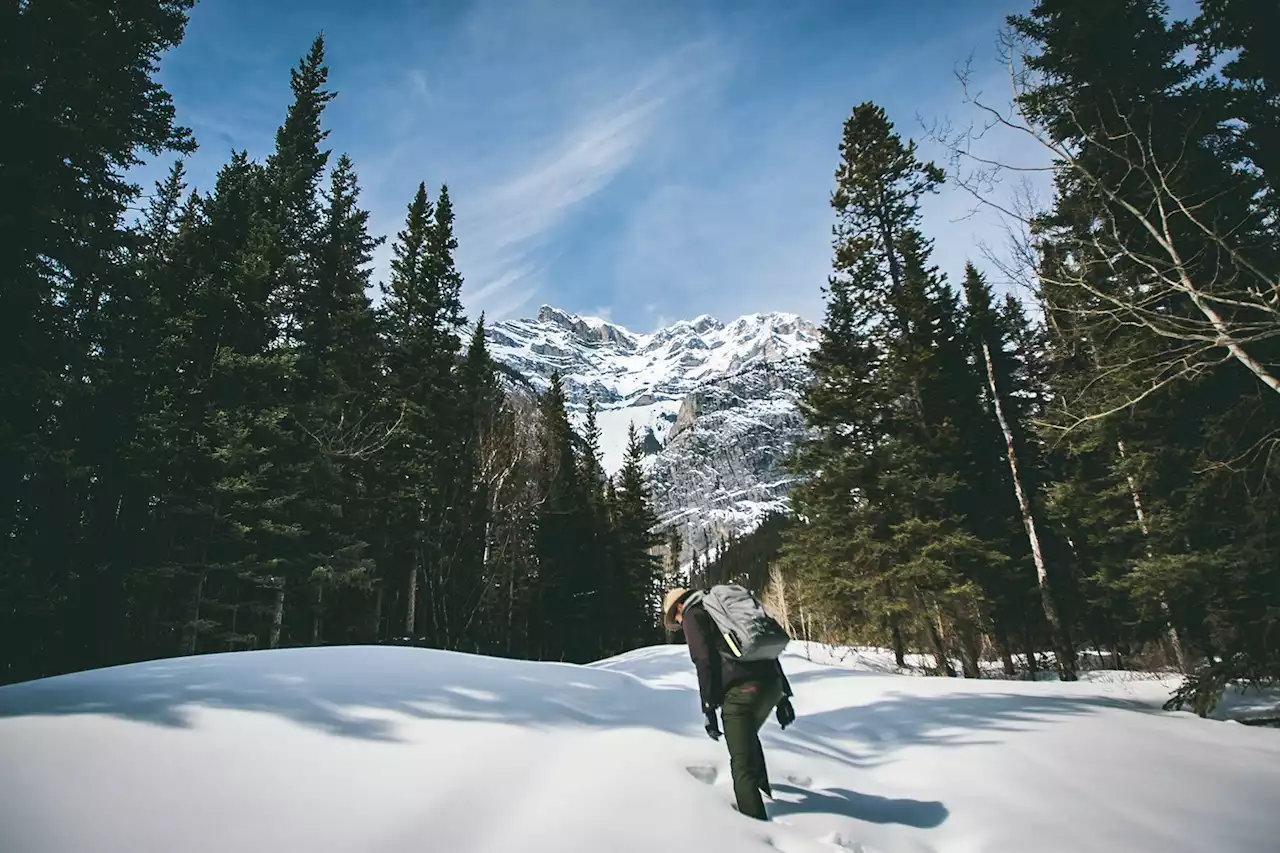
(716, 403)
(586, 329)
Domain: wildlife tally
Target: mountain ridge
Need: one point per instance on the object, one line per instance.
(720, 400)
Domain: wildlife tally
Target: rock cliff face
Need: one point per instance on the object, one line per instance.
(718, 400)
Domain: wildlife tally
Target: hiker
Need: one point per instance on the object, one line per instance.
(746, 691)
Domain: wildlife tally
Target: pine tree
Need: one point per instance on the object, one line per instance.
(80, 83)
(635, 536)
(1156, 377)
(293, 175)
(564, 629)
(607, 616)
(338, 409)
(886, 532)
(990, 337)
(480, 475)
(420, 321)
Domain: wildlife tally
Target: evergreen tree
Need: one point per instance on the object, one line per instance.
(420, 326)
(80, 84)
(293, 175)
(887, 532)
(565, 630)
(635, 536)
(1160, 346)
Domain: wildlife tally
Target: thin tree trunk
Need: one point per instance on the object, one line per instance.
(1033, 666)
(511, 606)
(191, 635)
(899, 646)
(411, 602)
(375, 631)
(235, 621)
(1175, 641)
(778, 590)
(971, 656)
(942, 663)
(316, 615)
(1006, 653)
(277, 619)
(1062, 640)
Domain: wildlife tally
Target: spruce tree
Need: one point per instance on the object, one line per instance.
(886, 531)
(563, 626)
(990, 335)
(1158, 398)
(80, 83)
(635, 535)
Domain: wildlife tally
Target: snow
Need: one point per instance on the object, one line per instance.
(372, 749)
(642, 377)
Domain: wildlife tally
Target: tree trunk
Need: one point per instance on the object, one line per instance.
(971, 656)
(316, 615)
(191, 634)
(778, 596)
(1006, 654)
(1033, 666)
(411, 603)
(899, 646)
(277, 619)
(235, 621)
(1062, 639)
(511, 606)
(942, 663)
(1175, 642)
(375, 628)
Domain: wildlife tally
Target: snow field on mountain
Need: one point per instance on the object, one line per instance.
(643, 378)
(374, 749)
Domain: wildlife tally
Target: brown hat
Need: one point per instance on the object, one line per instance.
(669, 603)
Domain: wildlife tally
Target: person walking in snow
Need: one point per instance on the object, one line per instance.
(745, 691)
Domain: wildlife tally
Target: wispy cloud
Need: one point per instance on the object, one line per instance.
(659, 159)
(513, 221)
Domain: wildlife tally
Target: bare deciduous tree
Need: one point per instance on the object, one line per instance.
(1189, 280)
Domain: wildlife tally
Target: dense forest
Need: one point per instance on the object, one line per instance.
(1091, 463)
(213, 439)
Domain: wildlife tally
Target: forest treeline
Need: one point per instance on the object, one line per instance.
(1092, 465)
(211, 439)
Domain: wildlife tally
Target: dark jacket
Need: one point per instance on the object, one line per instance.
(717, 672)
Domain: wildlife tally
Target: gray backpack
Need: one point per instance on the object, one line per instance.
(749, 632)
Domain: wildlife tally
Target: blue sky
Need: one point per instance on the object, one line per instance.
(641, 160)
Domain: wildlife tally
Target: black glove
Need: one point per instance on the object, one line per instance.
(713, 725)
(786, 714)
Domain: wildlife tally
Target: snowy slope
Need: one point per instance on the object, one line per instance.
(398, 750)
(719, 399)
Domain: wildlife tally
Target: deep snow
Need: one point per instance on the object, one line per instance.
(396, 749)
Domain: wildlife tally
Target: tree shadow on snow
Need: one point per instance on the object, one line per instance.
(865, 807)
(360, 692)
(366, 692)
(867, 735)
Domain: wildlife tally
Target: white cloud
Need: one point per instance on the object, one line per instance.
(512, 221)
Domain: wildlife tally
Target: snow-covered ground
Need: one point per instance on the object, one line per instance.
(401, 750)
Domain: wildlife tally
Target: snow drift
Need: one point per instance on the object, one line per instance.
(371, 749)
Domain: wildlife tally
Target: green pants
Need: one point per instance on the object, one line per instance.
(746, 708)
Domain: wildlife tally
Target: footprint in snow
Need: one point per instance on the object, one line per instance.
(704, 773)
(845, 843)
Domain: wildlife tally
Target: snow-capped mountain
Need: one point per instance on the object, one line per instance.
(719, 401)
